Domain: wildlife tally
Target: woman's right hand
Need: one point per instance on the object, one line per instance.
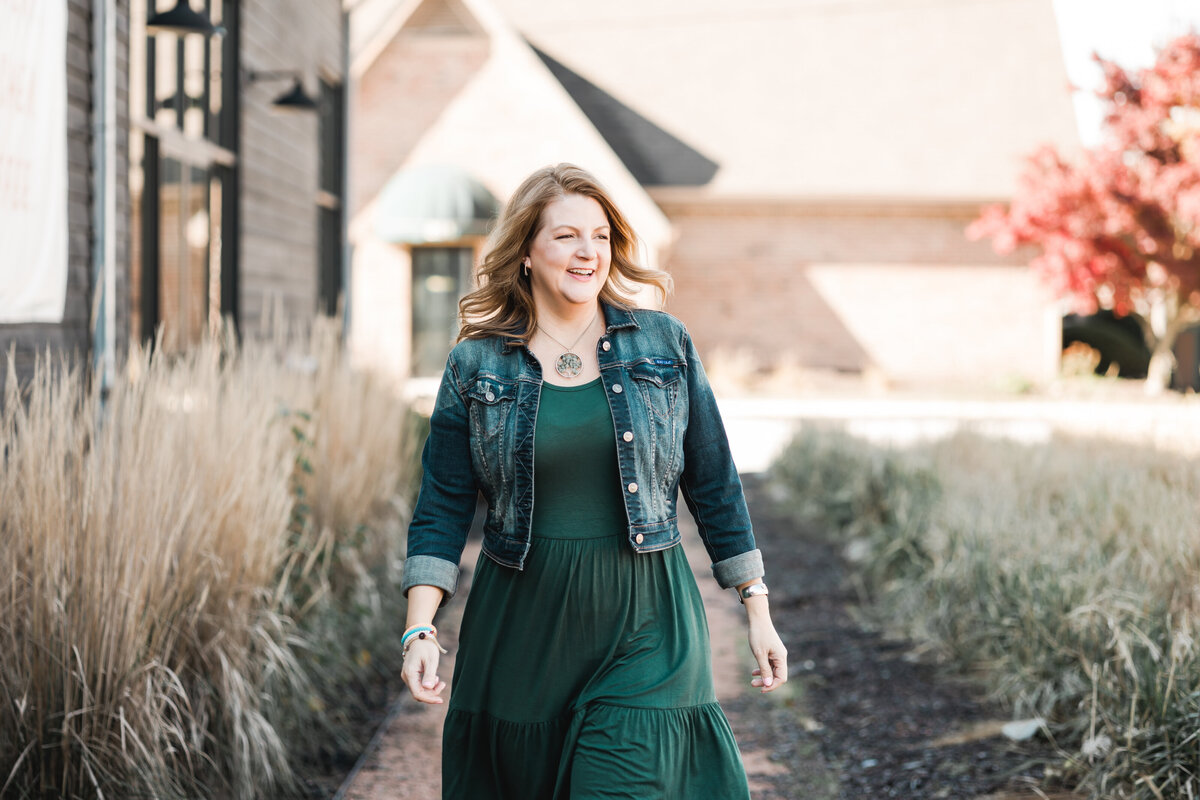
(421, 658)
(420, 671)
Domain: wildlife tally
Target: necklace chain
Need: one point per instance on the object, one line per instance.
(577, 338)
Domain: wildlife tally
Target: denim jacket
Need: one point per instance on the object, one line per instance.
(668, 434)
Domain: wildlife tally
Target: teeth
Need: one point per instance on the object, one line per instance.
(580, 271)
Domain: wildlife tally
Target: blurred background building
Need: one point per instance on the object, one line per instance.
(804, 169)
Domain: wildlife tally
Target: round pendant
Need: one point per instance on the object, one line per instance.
(568, 365)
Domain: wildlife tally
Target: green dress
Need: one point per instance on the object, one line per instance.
(588, 674)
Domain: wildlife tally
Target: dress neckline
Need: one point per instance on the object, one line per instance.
(555, 387)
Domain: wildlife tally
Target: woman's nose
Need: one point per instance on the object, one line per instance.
(587, 250)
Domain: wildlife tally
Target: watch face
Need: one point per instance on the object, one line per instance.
(754, 589)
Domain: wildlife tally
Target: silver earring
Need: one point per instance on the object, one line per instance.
(526, 267)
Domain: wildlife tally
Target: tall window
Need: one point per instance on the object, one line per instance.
(331, 136)
(441, 276)
(182, 173)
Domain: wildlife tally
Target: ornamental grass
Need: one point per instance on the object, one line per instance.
(1064, 573)
(178, 561)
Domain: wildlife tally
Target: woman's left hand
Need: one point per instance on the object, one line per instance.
(767, 648)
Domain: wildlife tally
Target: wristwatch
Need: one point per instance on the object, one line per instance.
(754, 590)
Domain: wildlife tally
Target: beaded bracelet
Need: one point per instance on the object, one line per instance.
(414, 630)
(419, 632)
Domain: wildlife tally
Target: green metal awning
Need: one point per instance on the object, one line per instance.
(433, 203)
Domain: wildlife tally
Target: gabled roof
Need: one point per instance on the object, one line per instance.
(511, 117)
(375, 23)
(858, 98)
(653, 155)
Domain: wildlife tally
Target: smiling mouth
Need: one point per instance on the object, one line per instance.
(583, 272)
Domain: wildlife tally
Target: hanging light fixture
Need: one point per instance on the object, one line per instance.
(294, 99)
(181, 19)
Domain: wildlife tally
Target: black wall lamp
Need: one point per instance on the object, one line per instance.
(189, 101)
(294, 99)
(182, 19)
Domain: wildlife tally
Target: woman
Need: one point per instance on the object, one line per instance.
(583, 670)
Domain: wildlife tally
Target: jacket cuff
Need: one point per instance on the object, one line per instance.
(430, 571)
(730, 572)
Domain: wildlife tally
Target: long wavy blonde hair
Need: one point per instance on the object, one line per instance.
(502, 303)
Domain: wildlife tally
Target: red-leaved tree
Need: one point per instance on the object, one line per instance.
(1119, 226)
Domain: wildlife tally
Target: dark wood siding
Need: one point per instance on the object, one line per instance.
(71, 337)
(280, 160)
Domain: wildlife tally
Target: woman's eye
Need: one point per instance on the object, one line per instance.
(563, 236)
(603, 236)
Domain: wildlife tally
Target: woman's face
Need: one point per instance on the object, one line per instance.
(570, 254)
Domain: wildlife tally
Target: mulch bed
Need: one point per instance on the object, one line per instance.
(867, 713)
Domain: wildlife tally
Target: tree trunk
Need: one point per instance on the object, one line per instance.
(1158, 374)
(1162, 356)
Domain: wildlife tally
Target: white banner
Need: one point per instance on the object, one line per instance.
(33, 160)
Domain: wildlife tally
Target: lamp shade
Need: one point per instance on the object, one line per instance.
(433, 203)
(295, 99)
(181, 19)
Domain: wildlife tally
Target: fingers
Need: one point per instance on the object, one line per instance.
(779, 661)
(772, 668)
(766, 674)
(426, 695)
(420, 673)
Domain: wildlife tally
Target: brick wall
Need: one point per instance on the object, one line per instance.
(852, 288)
(72, 336)
(399, 98)
(279, 156)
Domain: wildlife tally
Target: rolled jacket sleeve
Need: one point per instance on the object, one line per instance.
(738, 569)
(430, 571)
(446, 503)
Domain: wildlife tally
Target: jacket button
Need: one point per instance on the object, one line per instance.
(633, 488)
(490, 396)
(618, 388)
(639, 538)
(606, 346)
(627, 436)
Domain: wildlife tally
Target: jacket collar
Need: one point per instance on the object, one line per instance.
(615, 318)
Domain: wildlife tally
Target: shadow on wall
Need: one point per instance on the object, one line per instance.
(774, 330)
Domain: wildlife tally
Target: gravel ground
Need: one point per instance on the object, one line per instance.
(884, 721)
(861, 717)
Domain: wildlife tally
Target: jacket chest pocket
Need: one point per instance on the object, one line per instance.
(490, 403)
(658, 381)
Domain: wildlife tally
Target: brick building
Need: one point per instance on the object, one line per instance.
(218, 193)
(805, 171)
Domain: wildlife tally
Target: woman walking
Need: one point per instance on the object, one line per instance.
(584, 668)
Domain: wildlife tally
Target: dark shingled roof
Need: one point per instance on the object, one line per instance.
(651, 154)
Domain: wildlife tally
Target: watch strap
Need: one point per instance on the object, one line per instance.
(753, 590)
